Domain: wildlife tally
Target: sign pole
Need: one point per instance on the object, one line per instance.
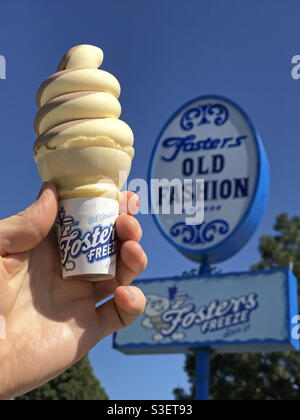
(202, 374)
(202, 357)
(204, 268)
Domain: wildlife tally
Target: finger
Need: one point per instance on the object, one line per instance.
(129, 203)
(128, 228)
(27, 229)
(128, 303)
(132, 261)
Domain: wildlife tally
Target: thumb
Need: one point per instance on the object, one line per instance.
(27, 229)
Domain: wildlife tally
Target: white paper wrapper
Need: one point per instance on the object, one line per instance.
(87, 238)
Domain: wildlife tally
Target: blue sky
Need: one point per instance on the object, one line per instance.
(164, 53)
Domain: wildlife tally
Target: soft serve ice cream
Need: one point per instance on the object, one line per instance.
(82, 147)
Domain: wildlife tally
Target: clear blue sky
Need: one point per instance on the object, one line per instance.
(164, 53)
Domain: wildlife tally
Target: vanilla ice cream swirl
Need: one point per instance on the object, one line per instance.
(80, 100)
(78, 113)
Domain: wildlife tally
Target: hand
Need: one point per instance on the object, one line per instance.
(51, 323)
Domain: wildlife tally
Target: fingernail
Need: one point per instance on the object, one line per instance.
(133, 204)
(137, 199)
(142, 258)
(45, 186)
(138, 229)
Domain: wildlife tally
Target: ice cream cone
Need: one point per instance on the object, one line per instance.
(82, 147)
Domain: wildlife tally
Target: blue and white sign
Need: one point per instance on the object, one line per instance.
(238, 312)
(212, 139)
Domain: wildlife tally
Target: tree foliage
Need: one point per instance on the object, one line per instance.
(77, 383)
(271, 376)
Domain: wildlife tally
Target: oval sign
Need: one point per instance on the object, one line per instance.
(210, 152)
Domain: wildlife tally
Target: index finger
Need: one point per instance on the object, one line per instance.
(129, 203)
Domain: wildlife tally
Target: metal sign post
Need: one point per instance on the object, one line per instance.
(202, 374)
(202, 382)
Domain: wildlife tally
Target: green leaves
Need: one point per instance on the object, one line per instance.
(77, 383)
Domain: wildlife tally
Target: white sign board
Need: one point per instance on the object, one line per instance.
(231, 313)
(210, 139)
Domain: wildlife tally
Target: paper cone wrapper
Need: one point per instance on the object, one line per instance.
(87, 237)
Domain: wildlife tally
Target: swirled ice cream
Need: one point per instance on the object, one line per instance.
(82, 146)
(81, 142)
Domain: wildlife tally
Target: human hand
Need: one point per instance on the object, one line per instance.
(51, 323)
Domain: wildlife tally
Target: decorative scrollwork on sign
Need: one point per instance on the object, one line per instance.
(212, 228)
(200, 234)
(204, 114)
(191, 115)
(188, 232)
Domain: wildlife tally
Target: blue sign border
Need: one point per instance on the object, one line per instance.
(289, 344)
(248, 224)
